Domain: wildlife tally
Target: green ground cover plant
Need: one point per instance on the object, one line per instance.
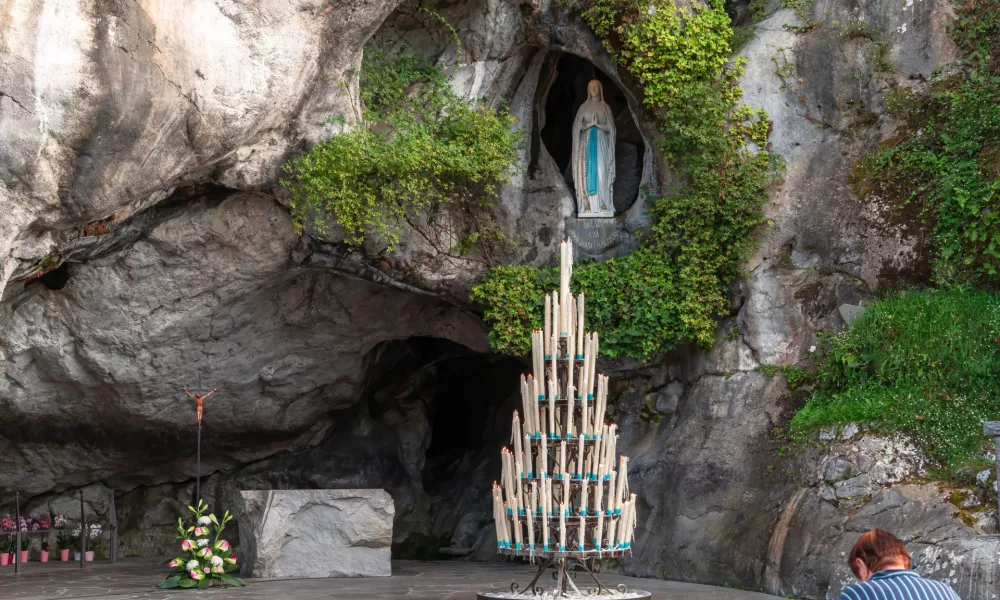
(921, 362)
(418, 148)
(672, 288)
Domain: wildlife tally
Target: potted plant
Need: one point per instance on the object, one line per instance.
(43, 555)
(25, 524)
(6, 540)
(63, 542)
(206, 559)
(94, 533)
(75, 543)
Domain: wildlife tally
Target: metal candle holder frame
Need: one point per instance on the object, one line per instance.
(564, 562)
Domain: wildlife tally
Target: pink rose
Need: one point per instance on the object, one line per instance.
(201, 531)
(231, 560)
(205, 552)
(222, 545)
(175, 563)
(188, 545)
(197, 575)
(208, 570)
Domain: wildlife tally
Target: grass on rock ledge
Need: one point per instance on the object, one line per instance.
(924, 363)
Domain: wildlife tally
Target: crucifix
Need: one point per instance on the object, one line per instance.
(199, 396)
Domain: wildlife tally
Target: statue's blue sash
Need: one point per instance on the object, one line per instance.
(592, 161)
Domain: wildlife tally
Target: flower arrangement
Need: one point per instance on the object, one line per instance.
(207, 558)
(7, 539)
(59, 521)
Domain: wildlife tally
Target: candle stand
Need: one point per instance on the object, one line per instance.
(561, 503)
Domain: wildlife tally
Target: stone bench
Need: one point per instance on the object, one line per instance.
(315, 533)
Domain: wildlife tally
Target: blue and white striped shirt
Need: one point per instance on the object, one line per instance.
(898, 585)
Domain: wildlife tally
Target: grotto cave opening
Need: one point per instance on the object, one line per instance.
(566, 91)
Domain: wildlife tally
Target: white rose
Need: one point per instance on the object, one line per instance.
(202, 542)
(192, 565)
(204, 521)
(812, 348)
(216, 560)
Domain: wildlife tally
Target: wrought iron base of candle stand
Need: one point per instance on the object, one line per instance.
(567, 567)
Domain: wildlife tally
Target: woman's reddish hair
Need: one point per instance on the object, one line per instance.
(876, 549)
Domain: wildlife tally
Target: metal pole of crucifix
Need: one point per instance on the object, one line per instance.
(992, 428)
(199, 396)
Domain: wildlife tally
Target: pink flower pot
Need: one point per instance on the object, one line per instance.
(43, 556)
(4, 559)
(89, 556)
(24, 556)
(64, 554)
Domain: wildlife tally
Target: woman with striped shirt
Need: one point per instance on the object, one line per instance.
(881, 564)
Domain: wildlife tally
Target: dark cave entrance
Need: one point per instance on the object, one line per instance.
(567, 91)
(445, 409)
(459, 391)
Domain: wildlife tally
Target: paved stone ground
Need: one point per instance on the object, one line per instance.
(135, 578)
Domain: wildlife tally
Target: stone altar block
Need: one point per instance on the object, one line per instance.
(315, 533)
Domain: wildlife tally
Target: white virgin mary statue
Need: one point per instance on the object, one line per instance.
(594, 155)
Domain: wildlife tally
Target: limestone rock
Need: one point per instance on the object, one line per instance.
(315, 533)
(837, 470)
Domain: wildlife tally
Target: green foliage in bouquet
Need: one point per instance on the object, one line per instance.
(207, 559)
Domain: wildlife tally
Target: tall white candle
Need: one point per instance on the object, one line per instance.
(599, 492)
(526, 459)
(612, 523)
(581, 448)
(565, 491)
(599, 531)
(611, 494)
(562, 528)
(553, 396)
(545, 515)
(554, 338)
(531, 517)
(579, 324)
(622, 479)
(548, 325)
(580, 533)
(563, 287)
(496, 516)
(517, 529)
(583, 496)
(571, 328)
(516, 436)
(585, 384)
(544, 457)
(536, 406)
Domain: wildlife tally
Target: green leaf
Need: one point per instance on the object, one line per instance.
(234, 581)
(187, 583)
(169, 583)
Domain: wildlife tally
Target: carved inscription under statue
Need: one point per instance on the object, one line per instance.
(594, 155)
(594, 237)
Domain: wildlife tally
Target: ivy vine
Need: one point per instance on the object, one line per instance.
(672, 288)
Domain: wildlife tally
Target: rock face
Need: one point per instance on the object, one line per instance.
(315, 533)
(146, 241)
